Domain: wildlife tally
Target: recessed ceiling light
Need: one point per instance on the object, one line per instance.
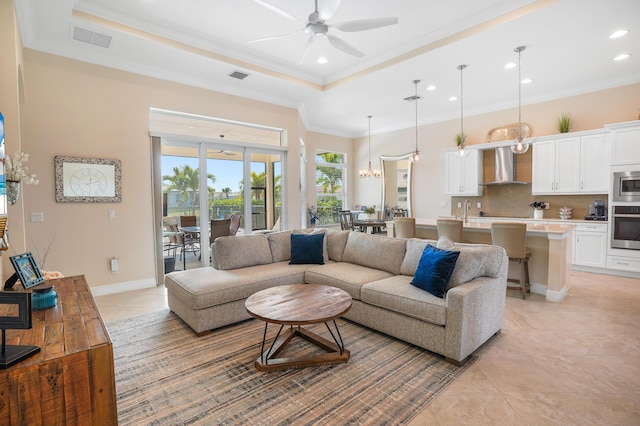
(619, 33)
(526, 81)
(432, 87)
(621, 57)
(510, 65)
(453, 98)
(322, 60)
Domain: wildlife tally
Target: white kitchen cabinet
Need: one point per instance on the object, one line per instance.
(463, 175)
(625, 143)
(556, 166)
(590, 245)
(594, 156)
(571, 165)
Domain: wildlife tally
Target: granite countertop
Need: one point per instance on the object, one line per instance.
(534, 227)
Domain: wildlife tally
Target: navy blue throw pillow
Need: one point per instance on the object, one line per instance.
(306, 248)
(435, 269)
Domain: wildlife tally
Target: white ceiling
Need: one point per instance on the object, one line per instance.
(199, 42)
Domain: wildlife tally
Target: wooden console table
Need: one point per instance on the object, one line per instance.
(71, 380)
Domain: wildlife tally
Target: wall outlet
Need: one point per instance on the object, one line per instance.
(112, 214)
(479, 205)
(114, 265)
(37, 217)
(546, 205)
(459, 205)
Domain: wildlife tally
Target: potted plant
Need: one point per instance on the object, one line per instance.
(538, 207)
(368, 213)
(564, 123)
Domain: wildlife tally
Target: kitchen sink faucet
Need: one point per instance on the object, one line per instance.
(467, 206)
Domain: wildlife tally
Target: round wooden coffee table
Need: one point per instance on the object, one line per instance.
(297, 305)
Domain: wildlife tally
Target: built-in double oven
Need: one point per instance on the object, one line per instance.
(625, 213)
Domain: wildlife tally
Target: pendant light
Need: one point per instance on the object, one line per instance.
(415, 97)
(463, 137)
(367, 173)
(520, 147)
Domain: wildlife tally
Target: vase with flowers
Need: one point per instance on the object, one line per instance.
(538, 206)
(15, 172)
(313, 216)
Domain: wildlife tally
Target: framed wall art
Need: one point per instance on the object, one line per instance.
(87, 180)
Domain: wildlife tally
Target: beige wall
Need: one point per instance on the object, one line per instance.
(590, 111)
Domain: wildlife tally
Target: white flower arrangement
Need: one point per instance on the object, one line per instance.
(15, 170)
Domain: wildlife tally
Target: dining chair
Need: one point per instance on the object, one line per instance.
(512, 237)
(234, 223)
(219, 228)
(346, 220)
(191, 239)
(452, 228)
(405, 227)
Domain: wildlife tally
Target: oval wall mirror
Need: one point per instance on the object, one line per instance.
(397, 176)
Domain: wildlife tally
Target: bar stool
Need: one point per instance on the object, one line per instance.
(452, 228)
(404, 227)
(513, 238)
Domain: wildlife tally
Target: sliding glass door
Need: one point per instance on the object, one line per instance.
(191, 199)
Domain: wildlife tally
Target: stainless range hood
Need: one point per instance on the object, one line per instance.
(505, 168)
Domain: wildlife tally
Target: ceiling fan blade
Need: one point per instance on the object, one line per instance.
(328, 8)
(276, 9)
(364, 24)
(275, 36)
(340, 44)
(305, 50)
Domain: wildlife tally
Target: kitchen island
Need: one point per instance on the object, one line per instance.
(551, 250)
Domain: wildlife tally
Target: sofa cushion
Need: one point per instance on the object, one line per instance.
(435, 269)
(336, 240)
(205, 287)
(346, 276)
(325, 247)
(241, 251)
(374, 251)
(415, 247)
(306, 248)
(476, 260)
(397, 294)
(280, 244)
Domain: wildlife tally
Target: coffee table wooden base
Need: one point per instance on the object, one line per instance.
(268, 360)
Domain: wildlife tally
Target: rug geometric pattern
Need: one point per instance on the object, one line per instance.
(166, 375)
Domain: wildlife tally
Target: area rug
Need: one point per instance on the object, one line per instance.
(166, 375)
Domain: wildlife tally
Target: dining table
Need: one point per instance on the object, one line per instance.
(376, 225)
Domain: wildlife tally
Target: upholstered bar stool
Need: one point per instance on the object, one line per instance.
(513, 238)
(452, 228)
(405, 227)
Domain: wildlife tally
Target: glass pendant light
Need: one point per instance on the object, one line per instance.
(367, 173)
(462, 136)
(520, 147)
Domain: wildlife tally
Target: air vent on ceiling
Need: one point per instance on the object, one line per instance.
(239, 75)
(91, 37)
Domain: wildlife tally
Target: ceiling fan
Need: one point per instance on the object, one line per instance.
(316, 26)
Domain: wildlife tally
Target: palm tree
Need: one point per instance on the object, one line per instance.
(258, 181)
(330, 178)
(226, 191)
(186, 180)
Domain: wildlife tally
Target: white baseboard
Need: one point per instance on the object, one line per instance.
(539, 288)
(122, 287)
(557, 296)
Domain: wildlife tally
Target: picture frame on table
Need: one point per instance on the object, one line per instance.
(27, 270)
(87, 180)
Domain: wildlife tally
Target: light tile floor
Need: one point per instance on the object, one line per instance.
(570, 363)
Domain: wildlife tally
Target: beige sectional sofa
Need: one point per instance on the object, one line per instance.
(375, 270)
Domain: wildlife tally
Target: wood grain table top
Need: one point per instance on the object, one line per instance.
(298, 304)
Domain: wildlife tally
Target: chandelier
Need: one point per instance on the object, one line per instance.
(367, 173)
